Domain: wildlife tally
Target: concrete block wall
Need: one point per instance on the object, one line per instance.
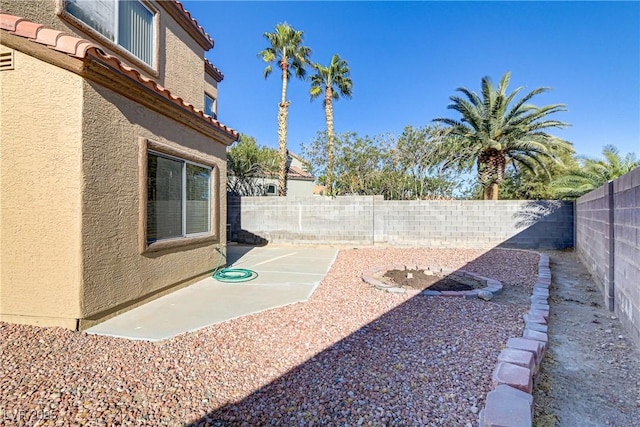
(475, 224)
(594, 237)
(608, 243)
(312, 220)
(371, 220)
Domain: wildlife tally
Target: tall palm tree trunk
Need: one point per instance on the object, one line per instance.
(282, 148)
(282, 134)
(484, 175)
(499, 163)
(491, 167)
(328, 111)
(493, 191)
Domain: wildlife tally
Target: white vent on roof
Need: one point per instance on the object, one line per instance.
(6, 60)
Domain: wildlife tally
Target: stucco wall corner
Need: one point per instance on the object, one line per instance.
(40, 183)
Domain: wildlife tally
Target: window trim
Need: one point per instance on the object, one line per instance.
(271, 193)
(151, 69)
(214, 109)
(147, 146)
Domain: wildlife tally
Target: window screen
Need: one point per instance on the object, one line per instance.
(178, 198)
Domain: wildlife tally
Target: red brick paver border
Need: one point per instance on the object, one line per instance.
(510, 404)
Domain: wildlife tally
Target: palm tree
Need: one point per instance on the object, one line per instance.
(521, 183)
(287, 51)
(492, 133)
(334, 81)
(594, 173)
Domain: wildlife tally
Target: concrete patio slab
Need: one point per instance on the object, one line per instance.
(286, 275)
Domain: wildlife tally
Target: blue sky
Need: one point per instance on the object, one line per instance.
(407, 59)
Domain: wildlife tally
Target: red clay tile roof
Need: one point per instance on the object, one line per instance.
(213, 71)
(183, 16)
(84, 49)
(295, 172)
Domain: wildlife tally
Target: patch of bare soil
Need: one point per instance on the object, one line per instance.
(417, 279)
(590, 377)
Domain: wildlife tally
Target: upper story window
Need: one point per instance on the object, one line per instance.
(210, 106)
(128, 23)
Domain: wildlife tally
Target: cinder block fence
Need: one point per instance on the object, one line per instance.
(605, 223)
(607, 229)
(371, 220)
(608, 244)
(441, 224)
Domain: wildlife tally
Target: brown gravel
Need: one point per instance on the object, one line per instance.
(351, 355)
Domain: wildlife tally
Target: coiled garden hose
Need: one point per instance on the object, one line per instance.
(232, 275)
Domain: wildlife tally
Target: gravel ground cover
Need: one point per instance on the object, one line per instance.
(351, 355)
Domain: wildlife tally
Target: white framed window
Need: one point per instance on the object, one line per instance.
(178, 198)
(271, 190)
(127, 23)
(210, 106)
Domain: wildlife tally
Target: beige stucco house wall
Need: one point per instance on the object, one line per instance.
(212, 77)
(41, 184)
(180, 45)
(76, 128)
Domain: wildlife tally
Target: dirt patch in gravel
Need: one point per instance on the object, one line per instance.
(417, 279)
(590, 377)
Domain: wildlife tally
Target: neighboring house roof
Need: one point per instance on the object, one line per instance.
(294, 172)
(295, 156)
(184, 18)
(213, 71)
(85, 50)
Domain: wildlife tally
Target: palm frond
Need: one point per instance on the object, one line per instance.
(495, 129)
(473, 97)
(286, 49)
(335, 76)
(315, 91)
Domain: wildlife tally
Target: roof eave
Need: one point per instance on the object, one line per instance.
(111, 74)
(148, 93)
(210, 69)
(177, 11)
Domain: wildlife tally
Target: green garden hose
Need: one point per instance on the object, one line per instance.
(232, 275)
